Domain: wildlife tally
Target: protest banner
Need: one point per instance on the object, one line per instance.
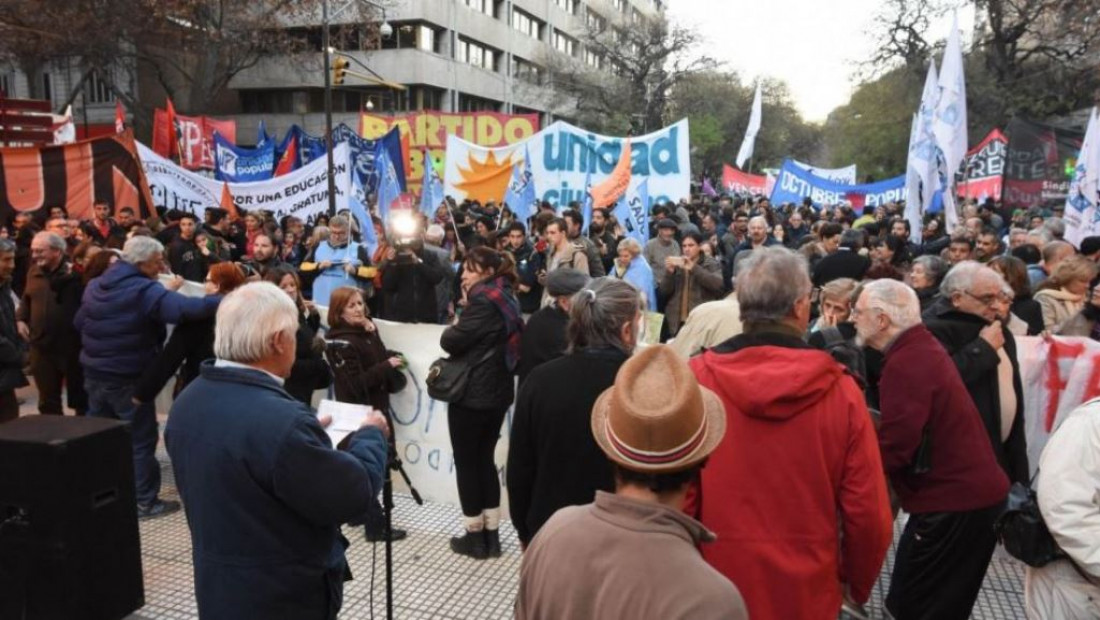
(845, 175)
(74, 176)
(793, 184)
(564, 158)
(735, 181)
(983, 172)
(195, 142)
(1036, 160)
(302, 193)
(361, 154)
(429, 130)
(239, 165)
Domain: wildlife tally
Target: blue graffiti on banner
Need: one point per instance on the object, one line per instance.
(793, 184)
(238, 165)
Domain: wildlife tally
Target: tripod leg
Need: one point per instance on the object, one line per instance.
(387, 507)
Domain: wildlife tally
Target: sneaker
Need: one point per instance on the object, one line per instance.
(157, 508)
(395, 535)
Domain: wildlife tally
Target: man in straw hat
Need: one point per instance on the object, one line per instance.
(796, 491)
(632, 554)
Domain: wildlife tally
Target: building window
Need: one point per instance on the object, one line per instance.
(5, 85)
(526, 24)
(98, 89)
(595, 22)
(569, 6)
(476, 54)
(470, 103)
(413, 36)
(526, 71)
(592, 59)
(481, 6)
(426, 39)
(565, 43)
(258, 101)
(621, 6)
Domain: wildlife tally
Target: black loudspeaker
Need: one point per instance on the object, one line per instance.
(69, 543)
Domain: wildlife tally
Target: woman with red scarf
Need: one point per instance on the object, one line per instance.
(487, 335)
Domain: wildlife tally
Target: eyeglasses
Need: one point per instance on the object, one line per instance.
(985, 300)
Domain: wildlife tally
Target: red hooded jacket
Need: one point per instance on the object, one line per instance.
(796, 491)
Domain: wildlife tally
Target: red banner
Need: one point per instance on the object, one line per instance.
(196, 138)
(74, 176)
(429, 130)
(736, 182)
(983, 174)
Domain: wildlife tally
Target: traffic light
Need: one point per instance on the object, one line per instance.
(339, 68)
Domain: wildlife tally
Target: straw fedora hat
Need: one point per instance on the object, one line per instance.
(656, 418)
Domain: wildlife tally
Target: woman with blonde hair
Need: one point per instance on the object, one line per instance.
(1063, 294)
(632, 267)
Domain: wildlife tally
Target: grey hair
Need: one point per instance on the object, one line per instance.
(434, 234)
(935, 266)
(759, 218)
(1056, 226)
(770, 281)
(631, 244)
(839, 289)
(598, 313)
(7, 246)
(140, 249)
(963, 276)
(247, 319)
(338, 221)
(851, 239)
(53, 239)
(895, 300)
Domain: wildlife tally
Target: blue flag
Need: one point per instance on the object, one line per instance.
(520, 195)
(632, 211)
(262, 136)
(586, 210)
(389, 187)
(431, 188)
(366, 224)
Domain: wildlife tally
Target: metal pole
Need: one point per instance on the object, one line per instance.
(328, 111)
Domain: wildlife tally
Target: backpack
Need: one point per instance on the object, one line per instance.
(846, 352)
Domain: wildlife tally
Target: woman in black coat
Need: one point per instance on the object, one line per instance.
(365, 372)
(553, 460)
(487, 336)
(191, 342)
(310, 372)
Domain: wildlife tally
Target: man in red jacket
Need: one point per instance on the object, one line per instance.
(795, 490)
(938, 457)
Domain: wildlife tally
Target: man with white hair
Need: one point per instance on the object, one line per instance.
(936, 454)
(797, 421)
(122, 326)
(758, 236)
(969, 321)
(46, 323)
(264, 490)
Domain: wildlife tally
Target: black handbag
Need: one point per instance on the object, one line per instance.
(1022, 531)
(448, 376)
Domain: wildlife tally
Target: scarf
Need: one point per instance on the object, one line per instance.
(499, 292)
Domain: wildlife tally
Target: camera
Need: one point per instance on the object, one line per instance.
(406, 233)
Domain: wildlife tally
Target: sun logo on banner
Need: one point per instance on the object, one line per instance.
(485, 180)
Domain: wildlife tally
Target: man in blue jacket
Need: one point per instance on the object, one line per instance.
(264, 491)
(121, 321)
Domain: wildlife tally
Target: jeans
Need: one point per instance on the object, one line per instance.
(109, 399)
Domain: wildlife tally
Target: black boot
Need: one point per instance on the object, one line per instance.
(471, 544)
(492, 543)
(379, 535)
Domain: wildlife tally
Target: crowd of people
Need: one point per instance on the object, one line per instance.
(824, 368)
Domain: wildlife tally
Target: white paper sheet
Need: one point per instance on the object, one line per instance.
(346, 418)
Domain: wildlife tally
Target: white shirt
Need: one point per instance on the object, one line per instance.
(220, 363)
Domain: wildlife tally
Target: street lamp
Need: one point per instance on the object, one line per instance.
(386, 30)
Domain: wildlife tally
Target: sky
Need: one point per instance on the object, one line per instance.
(813, 45)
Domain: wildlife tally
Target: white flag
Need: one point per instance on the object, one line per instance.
(1082, 215)
(949, 125)
(921, 180)
(64, 129)
(749, 142)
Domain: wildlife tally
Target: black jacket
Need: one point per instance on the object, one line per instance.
(840, 264)
(528, 265)
(362, 373)
(187, 261)
(11, 345)
(544, 339)
(479, 330)
(1030, 312)
(977, 363)
(310, 371)
(553, 461)
(191, 343)
(410, 288)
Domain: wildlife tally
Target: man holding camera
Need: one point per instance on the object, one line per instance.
(409, 281)
(688, 281)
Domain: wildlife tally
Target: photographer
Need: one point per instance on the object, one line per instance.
(411, 275)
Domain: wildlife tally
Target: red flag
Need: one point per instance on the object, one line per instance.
(286, 162)
(227, 202)
(120, 117)
(605, 194)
